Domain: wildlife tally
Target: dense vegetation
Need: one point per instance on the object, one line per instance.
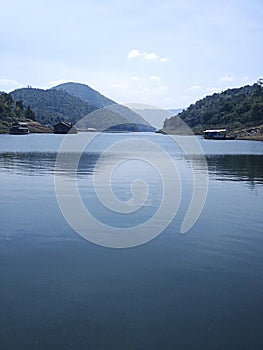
(85, 93)
(52, 106)
(232, 109)
(11, 112)
(113, 112)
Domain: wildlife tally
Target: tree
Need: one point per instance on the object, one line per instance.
(29, 114)
(7, 99)
(20, 105)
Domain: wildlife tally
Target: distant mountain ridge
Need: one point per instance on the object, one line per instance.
(176, 111)
(155, 116)
(78, 103)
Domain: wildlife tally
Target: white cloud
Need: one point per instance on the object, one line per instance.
(151, 56)
(8, 81)
(227, 78)
(9, 84)
(148, 56)
(133, 53)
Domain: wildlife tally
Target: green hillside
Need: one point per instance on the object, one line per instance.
(233, 109)
(85, 93)
(12, 112)
(112, 111)
(52, 106)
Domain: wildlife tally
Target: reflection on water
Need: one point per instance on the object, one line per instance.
(37, 164)
(28, 163)
(222, 167)
(237, 167)
(248, 168)
(202, 290)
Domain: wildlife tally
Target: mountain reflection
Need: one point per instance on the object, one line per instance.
(37, 164)
(222, 167)
(247, 168)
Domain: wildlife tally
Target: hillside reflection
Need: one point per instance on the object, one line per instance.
(247, 168)
(37, 164)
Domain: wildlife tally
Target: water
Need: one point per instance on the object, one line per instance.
(201, 290)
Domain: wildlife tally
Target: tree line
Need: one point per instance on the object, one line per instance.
(232, 109)
(13, 111)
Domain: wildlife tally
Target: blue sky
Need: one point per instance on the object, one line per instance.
(164, 53)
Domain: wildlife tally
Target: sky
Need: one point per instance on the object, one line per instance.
(167, 53)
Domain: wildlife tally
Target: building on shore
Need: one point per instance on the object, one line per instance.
(64, 128)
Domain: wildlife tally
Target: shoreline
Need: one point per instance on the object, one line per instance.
(238, 138)
(250, 138)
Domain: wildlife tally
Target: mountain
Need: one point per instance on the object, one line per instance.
(54, 105)
(232, 109)
(176, 111)
(85, 93)
(104, 119)
(155, 116)
(94, 98)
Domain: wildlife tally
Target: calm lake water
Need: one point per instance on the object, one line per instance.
(200, 290)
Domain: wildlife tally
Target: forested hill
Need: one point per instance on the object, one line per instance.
(15, 111)
(52, 106)
(85, 93)
(110, 111)
(233, 109)
(11, 112)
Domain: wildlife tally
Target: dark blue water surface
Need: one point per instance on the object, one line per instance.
(200, 290)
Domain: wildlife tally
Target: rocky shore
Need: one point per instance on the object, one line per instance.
(253, 134)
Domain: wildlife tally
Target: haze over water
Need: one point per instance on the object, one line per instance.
(201, 290)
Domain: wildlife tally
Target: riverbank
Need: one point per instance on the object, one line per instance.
(34, 127)
(250, 138)
(251, 134)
